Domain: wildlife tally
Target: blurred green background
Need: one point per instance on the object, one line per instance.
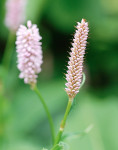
(23, 122)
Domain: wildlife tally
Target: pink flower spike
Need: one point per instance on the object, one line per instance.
(75, 64)
(29, 53)
(15, 13)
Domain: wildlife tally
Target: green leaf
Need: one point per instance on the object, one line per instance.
(75, 135)
(64, 146)
(44, 149)
(57, 147)
(61, 146)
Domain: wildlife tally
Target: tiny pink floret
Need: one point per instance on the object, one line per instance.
(29, 52)
(75, 64)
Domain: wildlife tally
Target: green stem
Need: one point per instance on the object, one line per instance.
(8, 50)
(62, 126)
(47, 112)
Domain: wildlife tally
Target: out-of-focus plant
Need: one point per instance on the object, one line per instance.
(15, 15)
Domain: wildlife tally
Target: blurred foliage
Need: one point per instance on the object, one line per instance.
(23, 121)
(29, 123)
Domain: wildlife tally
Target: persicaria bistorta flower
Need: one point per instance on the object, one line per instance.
(75, 64)
(29, 52)
(15, 13)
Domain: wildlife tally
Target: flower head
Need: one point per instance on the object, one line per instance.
(75, 64)
(29, 52)
(15, 13)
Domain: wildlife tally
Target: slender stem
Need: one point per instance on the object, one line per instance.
(8, 50)
(47, 112)
(62, 126)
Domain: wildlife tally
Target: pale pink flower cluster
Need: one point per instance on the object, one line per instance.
(29, 52)
(75, 64)
(15, 13)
